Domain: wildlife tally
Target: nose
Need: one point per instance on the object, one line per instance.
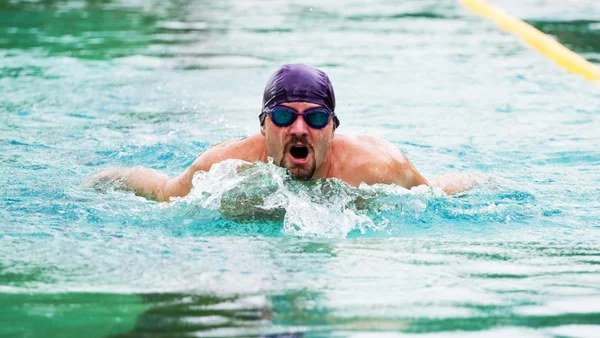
(299, 127)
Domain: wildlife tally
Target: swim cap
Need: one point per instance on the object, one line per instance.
(299, 83)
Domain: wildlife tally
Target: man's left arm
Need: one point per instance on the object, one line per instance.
(405, 174)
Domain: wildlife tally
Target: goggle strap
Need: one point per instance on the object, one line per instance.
(262, 117)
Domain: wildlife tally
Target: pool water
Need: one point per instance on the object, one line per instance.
(88, 85)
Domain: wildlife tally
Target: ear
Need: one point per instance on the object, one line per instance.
(262, 130)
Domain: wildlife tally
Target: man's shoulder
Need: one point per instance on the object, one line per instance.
(248, 145)
(249, 149)
(367, 159)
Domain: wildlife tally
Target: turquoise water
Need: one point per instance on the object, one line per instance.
(88, 85)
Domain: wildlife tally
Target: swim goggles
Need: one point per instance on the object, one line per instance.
(284, 116)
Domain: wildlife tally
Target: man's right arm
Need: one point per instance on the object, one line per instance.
(155, 185)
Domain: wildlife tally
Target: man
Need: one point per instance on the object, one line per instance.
(298, 124)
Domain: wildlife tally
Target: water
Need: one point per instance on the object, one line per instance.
(88, 85)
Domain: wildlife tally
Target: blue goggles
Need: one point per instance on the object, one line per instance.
(283, 116)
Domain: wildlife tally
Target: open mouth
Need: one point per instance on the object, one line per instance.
(299, 152)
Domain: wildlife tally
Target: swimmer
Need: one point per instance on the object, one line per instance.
(298, 132)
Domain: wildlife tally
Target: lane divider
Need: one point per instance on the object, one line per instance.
(552, 49)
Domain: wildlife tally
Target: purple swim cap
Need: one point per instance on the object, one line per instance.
(299, 83)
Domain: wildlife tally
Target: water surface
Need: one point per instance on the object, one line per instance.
(88, 85)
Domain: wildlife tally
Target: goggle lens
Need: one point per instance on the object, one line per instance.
(317, 119)
(282, 117)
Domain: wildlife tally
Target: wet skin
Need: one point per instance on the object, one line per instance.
(307, 153)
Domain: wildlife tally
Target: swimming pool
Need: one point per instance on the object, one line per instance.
(88, 85)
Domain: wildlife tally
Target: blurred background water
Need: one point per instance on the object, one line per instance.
(93, 84)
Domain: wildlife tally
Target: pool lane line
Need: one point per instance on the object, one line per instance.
(549, 47)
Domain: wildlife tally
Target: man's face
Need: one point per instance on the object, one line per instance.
(298, 147)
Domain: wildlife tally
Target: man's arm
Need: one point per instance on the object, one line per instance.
(451, 183)
(147, 182)
(403, 173)
(144, 182)
(155, 185)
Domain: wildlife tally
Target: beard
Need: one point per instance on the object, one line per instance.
(298, 171)
(303, 172)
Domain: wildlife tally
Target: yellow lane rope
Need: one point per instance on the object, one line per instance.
(560, 54)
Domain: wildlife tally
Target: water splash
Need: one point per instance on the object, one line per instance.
(265, 192)
(259, 193)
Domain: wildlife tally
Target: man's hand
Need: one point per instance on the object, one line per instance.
(454, 183)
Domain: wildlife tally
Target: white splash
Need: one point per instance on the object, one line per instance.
(265, 192)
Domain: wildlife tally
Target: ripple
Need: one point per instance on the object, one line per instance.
(192, 62)
(572, 158)
(182, 26)
(415, 15)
